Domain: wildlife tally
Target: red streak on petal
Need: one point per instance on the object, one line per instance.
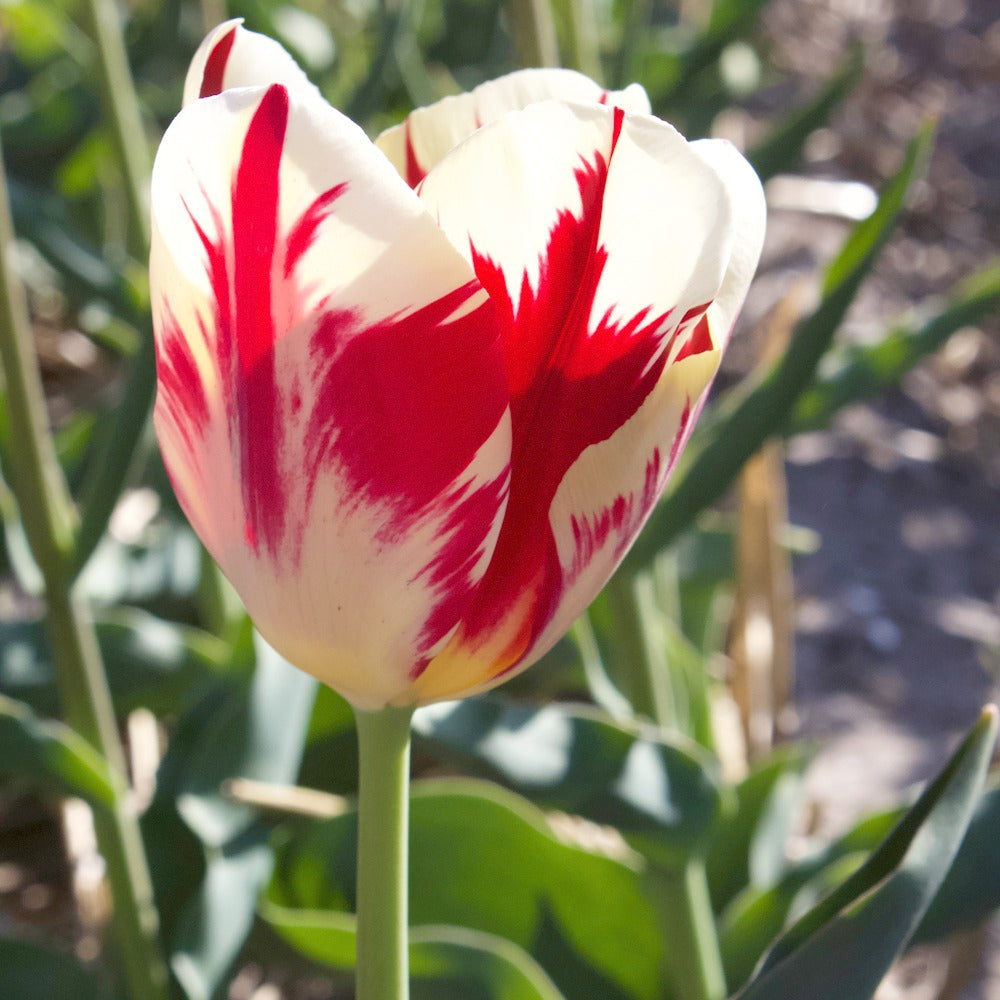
(574, 380)
(304, 231)
(680, 437)
(414, 172)
(449, 574)
(215, 65)
(403, 433)
(181, 393)
(255, 223)
(699, 341)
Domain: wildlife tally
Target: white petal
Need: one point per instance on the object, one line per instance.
(332, 404)
(416, 145)
(232, 57)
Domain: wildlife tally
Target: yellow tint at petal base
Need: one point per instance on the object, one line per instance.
(466, 665)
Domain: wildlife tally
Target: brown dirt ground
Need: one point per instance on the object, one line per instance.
(898, 642)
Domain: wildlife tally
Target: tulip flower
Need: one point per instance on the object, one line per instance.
(418, 396)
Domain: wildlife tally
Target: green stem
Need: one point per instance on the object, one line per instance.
(383, 823)
(87, 705)
(35, 477)
(635, 29)
(48, 518)
(118, 450)
(582, 36)
(122, 109)
(534, 32)
(640, 649)
(693, 960)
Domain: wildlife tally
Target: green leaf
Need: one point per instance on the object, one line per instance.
(446, 963)
(782, 148)
(45, 221)
(161, 574)
(215, 922)
(254, 730)
(662, 796)
(150, 662)
(484, 859)
(971, 890)
(258, 733)
(758, 914)
(120, 443)
(749, 847)
(730, 21)
(871, 915)
(863, 372)
(749, 417)
(52, 756)
(31, 972)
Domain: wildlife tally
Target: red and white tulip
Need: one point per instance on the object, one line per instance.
(419, 396)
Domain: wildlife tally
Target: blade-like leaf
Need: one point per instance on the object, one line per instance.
(485, 859)
(730, 20)
(873, 913)
(746, 422)
(663, 797)
(971, 890)
(758, 914)
(782, 148)
(863, 372)
(216, 921)
(256, 731)
(749, 848)
(150, 662)
(52, 756)
(118, 445)
(446, 963)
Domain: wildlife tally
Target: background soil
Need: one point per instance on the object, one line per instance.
(898, 641)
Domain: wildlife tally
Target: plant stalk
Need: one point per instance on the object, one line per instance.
(534, 32)
(693, 960)
(122, 108)
(383, 825)
(639, 649)
(49, 522)
(116, 454)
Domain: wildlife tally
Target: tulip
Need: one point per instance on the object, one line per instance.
(418, 396)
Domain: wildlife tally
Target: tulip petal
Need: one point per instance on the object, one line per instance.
(232, 57)
(332, 404)
(428, 134)
(605, 240)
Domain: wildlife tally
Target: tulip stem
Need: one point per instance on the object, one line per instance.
(383, 823)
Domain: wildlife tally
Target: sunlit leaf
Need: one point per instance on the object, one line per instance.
(857, 373)
(872, 914)
(485, 859)
(446, 963)
(663, 797)
(52, 756)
